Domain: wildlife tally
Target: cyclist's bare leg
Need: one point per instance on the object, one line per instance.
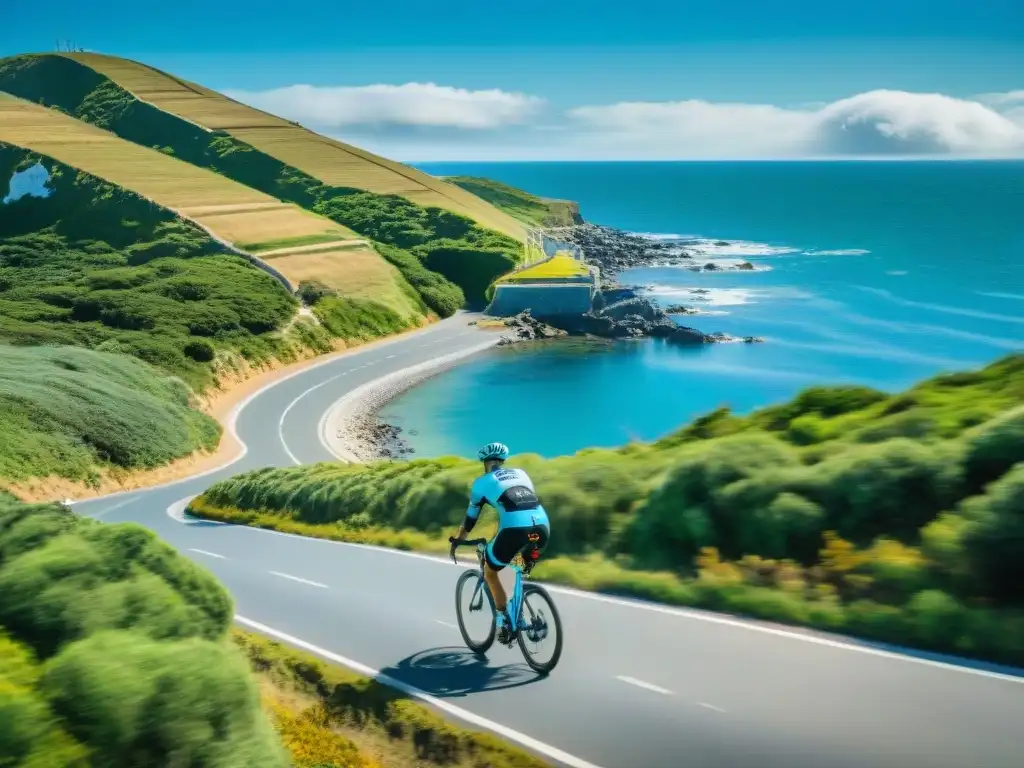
(497, 588)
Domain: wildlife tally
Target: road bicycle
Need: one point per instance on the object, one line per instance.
(534, 610)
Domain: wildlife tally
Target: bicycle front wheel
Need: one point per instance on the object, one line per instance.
(541, 629)
(475, 609)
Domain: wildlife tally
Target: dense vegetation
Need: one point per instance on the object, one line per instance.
(895, 517)
(67, 411)
(424, 240)
(522, 205)
(94, 265)
(113, 652)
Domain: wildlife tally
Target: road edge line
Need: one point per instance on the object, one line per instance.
(504, 731)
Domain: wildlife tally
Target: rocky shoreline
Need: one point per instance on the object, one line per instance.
(623, 312)
(615, 250)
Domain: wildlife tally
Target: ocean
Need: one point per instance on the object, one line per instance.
(874, 273)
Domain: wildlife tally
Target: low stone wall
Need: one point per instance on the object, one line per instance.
(546, 299)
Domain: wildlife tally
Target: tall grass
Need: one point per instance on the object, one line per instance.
(67, 411)
(901, 506)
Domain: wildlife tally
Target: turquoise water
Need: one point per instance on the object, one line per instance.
(874, 273)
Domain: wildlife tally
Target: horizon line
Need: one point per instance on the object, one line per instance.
(865, 159)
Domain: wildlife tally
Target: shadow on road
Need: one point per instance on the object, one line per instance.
(453, 671)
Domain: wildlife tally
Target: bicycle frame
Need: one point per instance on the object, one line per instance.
(515, 599)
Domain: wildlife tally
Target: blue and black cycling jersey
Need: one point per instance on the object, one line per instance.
(511, 493)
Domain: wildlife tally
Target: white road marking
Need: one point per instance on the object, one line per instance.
(389, 357)
(642, 684)
(710, 706)
(208, 554)
(446, 624)
(177, 513)
(445, 706)
(108, 510)
(299, 579)
(284, 414)
(683, 613)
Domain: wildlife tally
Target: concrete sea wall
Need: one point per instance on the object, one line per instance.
(546, 299)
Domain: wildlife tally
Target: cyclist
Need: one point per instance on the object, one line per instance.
(522, 522)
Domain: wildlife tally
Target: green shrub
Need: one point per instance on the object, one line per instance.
(683, 514)
(440, 295)
(136, 701)
(994, 447)
(132, 636)
(65, 577)
(472, 270)
(994, 539)
(891, 488)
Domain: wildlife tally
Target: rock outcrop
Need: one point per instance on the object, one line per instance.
(614, 250)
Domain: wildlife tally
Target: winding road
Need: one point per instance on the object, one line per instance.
(639, 685)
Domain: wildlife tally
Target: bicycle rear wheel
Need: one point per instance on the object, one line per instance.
(541, 621)
(475, 610)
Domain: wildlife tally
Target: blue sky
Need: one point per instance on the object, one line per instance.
(795, 56)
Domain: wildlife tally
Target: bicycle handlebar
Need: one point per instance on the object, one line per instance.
(464, 543)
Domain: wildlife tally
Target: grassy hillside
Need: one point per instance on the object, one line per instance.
(96, 266)
(232, 211)
(331, 162)
(897, 517)
(442, 255)
(115, 651)
(66, 412)
(532, 210)
(240, 215)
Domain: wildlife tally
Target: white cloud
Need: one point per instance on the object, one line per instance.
(1009, 104)
(876, 123)
(998, 100)
(427, 121)
(410, 104)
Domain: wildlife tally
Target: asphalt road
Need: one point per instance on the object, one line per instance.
(638, 685)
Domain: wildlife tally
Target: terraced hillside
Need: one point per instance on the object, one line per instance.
(282, 233)
(331, 161)
(234, 213)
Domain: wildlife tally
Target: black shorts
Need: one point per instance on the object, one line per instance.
(511, 541)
